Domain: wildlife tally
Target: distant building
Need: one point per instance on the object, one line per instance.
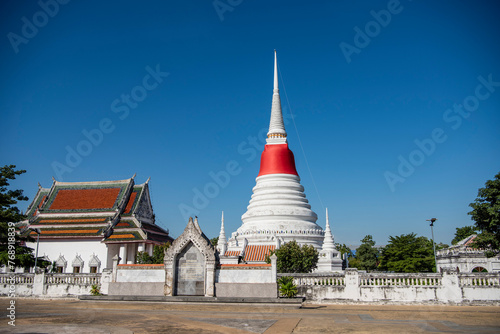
(83, 225)
(464, 258)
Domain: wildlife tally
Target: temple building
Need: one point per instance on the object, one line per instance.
(278, 211)
(463, 258)
(82, 225)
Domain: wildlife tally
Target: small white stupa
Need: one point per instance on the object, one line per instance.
(329, 257)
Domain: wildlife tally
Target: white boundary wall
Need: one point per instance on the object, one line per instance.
(348, 287)
(419, 288)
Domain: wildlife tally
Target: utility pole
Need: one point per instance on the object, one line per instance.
(432, 220)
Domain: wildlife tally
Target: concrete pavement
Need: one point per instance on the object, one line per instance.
(75, 316)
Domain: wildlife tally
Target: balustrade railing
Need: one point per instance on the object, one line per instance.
(479, 280)
(18, 278)
(73, 279)
(317, 279)
(383, 280)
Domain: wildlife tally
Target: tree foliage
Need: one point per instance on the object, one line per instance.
(214, 241)
(286, 286)
(408, 253)
(462, 233)
(13, 253)
(366, 255)
(157, 257)
(293, 258)
(344, 249)
(486, 213)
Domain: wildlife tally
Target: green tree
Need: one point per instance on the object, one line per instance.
(13, 253)
(343, 249)
(486, 213)
(158, 255)
(367, 254)
(462, 233)
(408, 253)
(143, 258)
(159, 252)
(293, 258)
(214, 241)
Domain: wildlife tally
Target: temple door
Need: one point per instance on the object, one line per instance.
(190, 272)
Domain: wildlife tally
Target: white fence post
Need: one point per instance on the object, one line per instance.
(352, 290)
(450, 287)
(106, 278)
(274, 268)
(39, 284)
(115, 259)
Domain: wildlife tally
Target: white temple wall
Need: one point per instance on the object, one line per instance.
(244, 276)
(70, 249)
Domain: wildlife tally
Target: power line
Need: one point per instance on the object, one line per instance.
(300, 141)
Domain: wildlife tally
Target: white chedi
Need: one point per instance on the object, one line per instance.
(329, 257)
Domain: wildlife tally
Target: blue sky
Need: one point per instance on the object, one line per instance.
(359, 100)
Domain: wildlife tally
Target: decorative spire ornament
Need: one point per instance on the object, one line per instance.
(328, 244)
(222, 243)
(277, 133)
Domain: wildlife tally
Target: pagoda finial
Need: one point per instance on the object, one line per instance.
(275, 87)
(277, 133)
(222, 242)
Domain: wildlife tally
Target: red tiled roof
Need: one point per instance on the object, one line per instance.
(470, 241)
(232, 253)
(254, 253)
(131, 200)
(239, 265)
(81, 199)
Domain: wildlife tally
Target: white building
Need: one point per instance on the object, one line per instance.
(83, 225)
(465, 259)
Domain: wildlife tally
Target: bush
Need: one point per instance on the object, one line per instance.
(95, 290)
(287, 287)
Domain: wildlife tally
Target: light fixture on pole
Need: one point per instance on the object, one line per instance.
(37, 231)
(432, 220)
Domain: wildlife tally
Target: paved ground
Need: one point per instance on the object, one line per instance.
(74, 316)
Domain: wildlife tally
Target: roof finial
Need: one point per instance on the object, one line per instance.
(277, 133)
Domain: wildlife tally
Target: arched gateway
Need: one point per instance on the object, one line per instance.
(190, 264)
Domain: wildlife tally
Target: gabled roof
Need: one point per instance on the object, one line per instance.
(40, 196)
(112, 211)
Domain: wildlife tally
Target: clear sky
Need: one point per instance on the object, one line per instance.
(395, 104)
